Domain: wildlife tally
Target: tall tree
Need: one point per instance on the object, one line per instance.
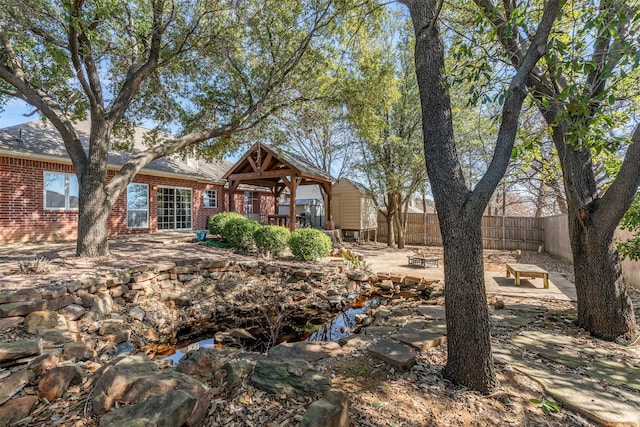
(216, 67)
(587, 92)
(382, 99)
(460, 209)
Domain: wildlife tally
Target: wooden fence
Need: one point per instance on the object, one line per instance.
(508, 233)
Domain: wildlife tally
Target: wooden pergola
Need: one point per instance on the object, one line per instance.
(278, 170)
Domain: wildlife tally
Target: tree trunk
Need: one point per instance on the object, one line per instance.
(604, 306)
(397, 219)
(93, 216)
(94, 203)
(469, 360)
(391, 212)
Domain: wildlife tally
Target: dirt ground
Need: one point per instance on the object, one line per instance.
(378, 394)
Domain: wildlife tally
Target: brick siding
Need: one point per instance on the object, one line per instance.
(23, 217)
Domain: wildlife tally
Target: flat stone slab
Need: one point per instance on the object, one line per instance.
(355, 342)
(422, 338)
(305, 350)
(13, 384)
(18, 349)
(379, 331)
(434, 312)
(507, 319)
(394, 353)
(10, 322)
(585, 396)
(531, 308)
(293, 378)
(615, 373)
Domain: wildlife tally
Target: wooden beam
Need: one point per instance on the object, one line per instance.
(253, 164)
(326, 187)
(232, 188)
(264, 164)
(262, 174)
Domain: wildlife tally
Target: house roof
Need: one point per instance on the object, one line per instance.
(41, 139)
(262, 164)
(361, 188)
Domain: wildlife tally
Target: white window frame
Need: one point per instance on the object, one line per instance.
(66, 206)
(248, 202)
(206, 195)
(127, 204)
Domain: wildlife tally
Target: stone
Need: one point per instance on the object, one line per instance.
(10, 322)
(102, 304)
(43, 363)
(56, 381)
(131, 296)
(241, 333)
(203, 363)
(19, 295)
(167, 410)
(355, 342)
(132, 379)
(118, 337)
(16, 409)
(330, 411)
(60, 302)
(53, 291)
(118, 291)
(13, 384)
(137, 313)
(305, 350)
(17, 350)
(431, 335)
(77, 351)
(433, 312)
(238, 371)
(394, 353)
(22, 308)
(615, 373)
(111, 326)
(73, 312)
(43, 320)
(292, 377)
(53, 337)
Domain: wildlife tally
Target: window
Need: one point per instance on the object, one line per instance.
(210, 198)
(137, 206)
(248, 202)
(60, 190)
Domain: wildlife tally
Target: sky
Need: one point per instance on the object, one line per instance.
(14, 113)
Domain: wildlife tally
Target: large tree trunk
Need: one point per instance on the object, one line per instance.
(392, 211)
(469, 360)
(399, 223)
(604, 306)
(93, 216)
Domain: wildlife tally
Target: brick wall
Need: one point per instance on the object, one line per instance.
(23, 217)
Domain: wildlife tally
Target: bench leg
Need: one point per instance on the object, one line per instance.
(517, 276)
(546, 281)
(508, 273)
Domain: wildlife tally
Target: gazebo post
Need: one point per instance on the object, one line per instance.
(233, 184)
(326, 186)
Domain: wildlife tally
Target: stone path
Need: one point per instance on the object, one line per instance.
(581, 378)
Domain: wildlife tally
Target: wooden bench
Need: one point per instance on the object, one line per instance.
(527, 270)
(423, 261)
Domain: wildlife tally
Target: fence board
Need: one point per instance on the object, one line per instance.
(510, 233)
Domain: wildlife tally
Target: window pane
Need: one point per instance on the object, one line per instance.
(137, 196)
(137, 219)
(210, 198)
(54, 189)
(74, 191)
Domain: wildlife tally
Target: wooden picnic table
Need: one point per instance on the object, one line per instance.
(527, 270)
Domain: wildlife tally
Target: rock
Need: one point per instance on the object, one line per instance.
(53, 337)
(433, 312)
(132, 379)
(137, 313)
(102, 304)
(22, 308)
(167, 410)
(241, 334)
(19, 349)
(238, 371)
(355, 342)
(43, 320)
(394, 353)
(43, 363)
(56, 381)
(111, 326)
(305, 350)
(19, 295)
(13, 384)
(330, 411)
(293, 378)
(422, 336)
(73, 312)
(77, 351)
(203, 363)
(16, 409)
(10, 322)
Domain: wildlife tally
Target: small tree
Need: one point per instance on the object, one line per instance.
(309, 244)
(271, 240)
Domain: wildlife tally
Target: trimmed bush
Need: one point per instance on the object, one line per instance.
(239, 233)
(217, 221)
(309, 244)
(271, 239)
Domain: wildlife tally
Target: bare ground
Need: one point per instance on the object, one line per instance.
(378, 395)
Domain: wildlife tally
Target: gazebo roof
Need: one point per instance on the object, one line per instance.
(265, 166)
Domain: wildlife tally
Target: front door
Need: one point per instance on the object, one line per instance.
(174, 208)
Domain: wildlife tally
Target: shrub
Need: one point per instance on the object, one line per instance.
(271, 239)
(309, 244)
(239, 233)
(217, 221)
